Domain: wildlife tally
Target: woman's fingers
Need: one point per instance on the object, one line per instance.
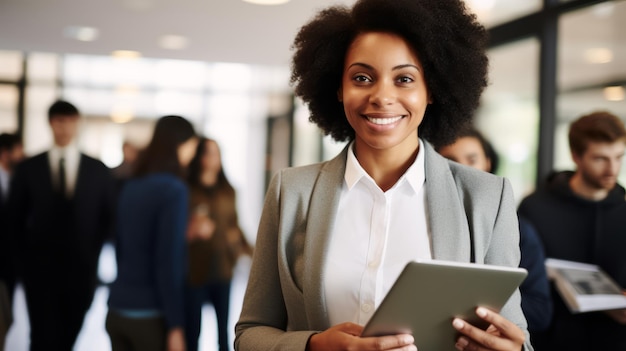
(501, 335)
(346, 336)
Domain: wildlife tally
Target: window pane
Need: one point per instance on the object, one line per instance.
(8, 105)
(10, 65)
(176, 74)
(230, 77)
(37, 136)
(509, 114)
(592, 70)
(43, 67)
(102, 71)
(494, 12)
(306, 139)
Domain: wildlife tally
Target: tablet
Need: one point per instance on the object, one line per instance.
(428, 294)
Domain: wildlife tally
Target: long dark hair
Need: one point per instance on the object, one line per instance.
(161, 154)
(195, 168)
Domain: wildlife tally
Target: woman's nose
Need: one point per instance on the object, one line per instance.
(383, 93)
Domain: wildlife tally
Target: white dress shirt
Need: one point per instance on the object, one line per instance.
(376, 233)
(72, 160)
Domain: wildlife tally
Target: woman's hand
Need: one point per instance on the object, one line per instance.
(176, 340)
(618, 315)
(346, 336)
(502, 334)
(200, 227)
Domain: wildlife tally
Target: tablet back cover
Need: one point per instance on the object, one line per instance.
(428, 295)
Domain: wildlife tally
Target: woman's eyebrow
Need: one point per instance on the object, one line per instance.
(365, 65)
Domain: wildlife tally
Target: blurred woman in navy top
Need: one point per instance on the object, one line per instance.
(146, 299)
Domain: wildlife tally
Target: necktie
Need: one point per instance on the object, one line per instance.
(62, 185)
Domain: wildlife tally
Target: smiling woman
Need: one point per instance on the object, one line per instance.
(389, 77)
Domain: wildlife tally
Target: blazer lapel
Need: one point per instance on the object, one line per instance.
(320, 221)
(447, 220)
(80, 177)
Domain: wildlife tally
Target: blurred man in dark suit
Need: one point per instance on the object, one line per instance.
(60, 209)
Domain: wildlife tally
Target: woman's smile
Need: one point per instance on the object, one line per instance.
(383, 120)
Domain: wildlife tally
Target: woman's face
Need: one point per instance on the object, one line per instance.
(467, 151)
(211, 162)
(186, 151)
(383, 92)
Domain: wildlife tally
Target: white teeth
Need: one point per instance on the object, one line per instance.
(383, 121)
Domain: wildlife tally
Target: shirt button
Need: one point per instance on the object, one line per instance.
(366, 307)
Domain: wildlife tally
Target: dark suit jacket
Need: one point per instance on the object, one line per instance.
(56, 238)
(7, 266)
(7, 276)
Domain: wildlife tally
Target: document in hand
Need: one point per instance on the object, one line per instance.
(429, 294)
(585, 287)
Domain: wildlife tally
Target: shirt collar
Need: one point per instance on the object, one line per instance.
(69, 150)
(414, 175)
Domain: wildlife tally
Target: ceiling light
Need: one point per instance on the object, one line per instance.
(126, 54)
(598, 55)
(267, 2)
(122, 114)
(81, 33)
(615, 93)
(173, 42)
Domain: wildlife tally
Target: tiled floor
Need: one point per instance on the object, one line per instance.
(93, 336)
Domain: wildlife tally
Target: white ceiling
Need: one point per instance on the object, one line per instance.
(218, 30)
(239, 32)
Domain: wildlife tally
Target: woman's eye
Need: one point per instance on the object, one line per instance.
(361, 78)
(405, 79)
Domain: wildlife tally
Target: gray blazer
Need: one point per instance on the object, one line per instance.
(472, 218)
